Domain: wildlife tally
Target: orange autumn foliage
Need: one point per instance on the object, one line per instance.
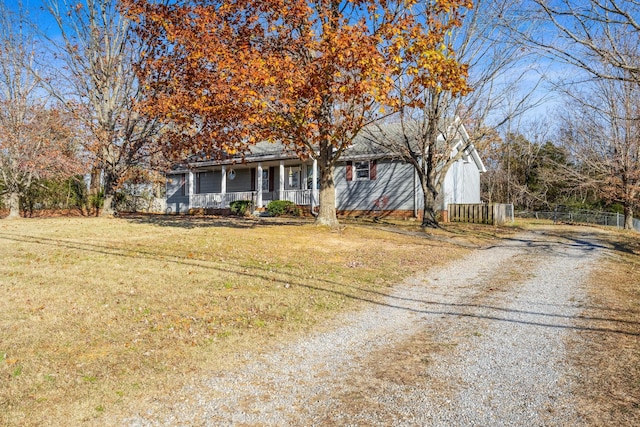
(309, 74)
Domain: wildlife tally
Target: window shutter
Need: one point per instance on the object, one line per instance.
(253, 179)
(272, 178)
(373, 172)
(349, 171)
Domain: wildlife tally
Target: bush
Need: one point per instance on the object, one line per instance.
(54, 194)
(96, 200)
(283, 207)
(241, 207)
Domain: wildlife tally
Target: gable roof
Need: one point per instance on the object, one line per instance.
(363, 146)
(380, 140)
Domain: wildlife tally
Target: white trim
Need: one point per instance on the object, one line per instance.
(354, 171)
(314, 188)
(223, 182)
(415, 192)
(190, 184)
(477, 160)
(281, 178)
(259, 185)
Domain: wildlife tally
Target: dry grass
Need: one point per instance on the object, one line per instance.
(608, 380)
(99, 314)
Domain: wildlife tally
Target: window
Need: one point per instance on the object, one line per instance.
(265, 179)
(361, 171)
(294, 178)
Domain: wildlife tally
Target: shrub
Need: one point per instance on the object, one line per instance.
(283, 207)
(241, 207)
(96, 200)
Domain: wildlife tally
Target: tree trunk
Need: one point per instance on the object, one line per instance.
(108, 208)
(628, 218)
(429, 213)
(13, 199)
(327, 213)
(428, 178)
(95, 184)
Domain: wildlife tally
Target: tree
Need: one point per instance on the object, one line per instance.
(600, 39)
(601, 128)
(98, 86)
(596, 36)
(309, 74)
(35, 142)
(532, 172)
(434, 101)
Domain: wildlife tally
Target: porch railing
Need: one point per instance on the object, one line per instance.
(220, 201)
(299, 197)
(207, 200)
(240, 195)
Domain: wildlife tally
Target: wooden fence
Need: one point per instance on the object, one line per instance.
(493, 213)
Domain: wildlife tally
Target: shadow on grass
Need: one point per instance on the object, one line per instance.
(190, 222)
(427, 307)
(578, 239)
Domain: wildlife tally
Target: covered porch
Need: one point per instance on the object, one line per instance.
(217, 186)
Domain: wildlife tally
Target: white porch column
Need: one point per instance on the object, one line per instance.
(223, 186)
(259, 186)
(314, 191)
(415, 193)
(190, 186)
(281, 183)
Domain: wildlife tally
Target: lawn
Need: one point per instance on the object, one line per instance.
(99, 314)
(608, 379)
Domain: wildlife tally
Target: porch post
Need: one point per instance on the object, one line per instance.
(259, 186)
(281, 183)
(190, 185)
(415, 193)
(314, 179)
(223, 186)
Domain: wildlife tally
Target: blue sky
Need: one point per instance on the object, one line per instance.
(36, 13)
(45, 23)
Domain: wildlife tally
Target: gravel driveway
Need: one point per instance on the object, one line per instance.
(480, 342)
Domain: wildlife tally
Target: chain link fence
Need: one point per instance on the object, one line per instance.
(582, 216)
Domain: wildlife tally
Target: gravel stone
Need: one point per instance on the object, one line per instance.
(502, 315)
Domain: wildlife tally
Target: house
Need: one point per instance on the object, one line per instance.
(368, 180)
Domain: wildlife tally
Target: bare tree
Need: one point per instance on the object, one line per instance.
(502, 85)
(597, 36)
(98, 85)
(602, 129)
(34, 141)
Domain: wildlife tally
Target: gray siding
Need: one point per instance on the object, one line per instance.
(209, 182)
(393, 188)
(242, 181)
(177, 200)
